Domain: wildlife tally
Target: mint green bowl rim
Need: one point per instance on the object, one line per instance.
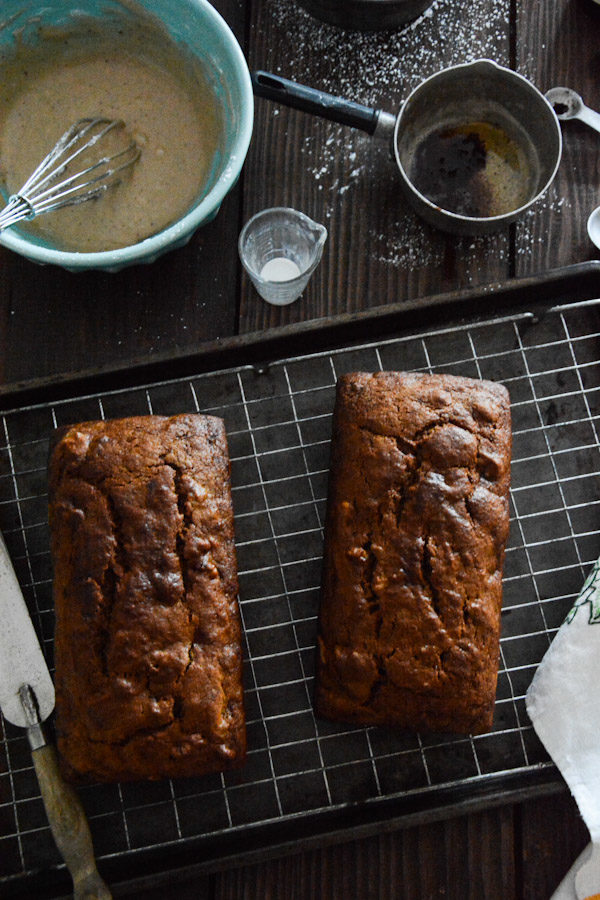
(179, 232)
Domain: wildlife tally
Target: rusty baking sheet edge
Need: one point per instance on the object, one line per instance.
(533, 293)
(152, 867)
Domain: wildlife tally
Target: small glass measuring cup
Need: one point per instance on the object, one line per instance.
(280, 248)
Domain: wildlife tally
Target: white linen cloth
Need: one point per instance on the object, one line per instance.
(563, 703)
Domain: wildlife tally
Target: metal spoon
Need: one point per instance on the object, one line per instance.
(569, 105)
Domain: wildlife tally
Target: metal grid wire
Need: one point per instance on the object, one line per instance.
(278, 420)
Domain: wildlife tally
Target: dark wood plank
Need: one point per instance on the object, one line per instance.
(378, 250)
(113, 317)
(199, 888)
(551, 835)
(557, 44)
(463, 858)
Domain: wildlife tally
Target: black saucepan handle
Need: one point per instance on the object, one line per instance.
(311, 100)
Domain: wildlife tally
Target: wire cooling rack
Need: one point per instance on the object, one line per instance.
(302, 770)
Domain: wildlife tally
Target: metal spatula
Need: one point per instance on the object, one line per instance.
(26, 700)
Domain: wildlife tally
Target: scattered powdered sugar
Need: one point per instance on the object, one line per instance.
(380, 69)
(361, 65)
(404, 244)
(527, 234)
(320, 157)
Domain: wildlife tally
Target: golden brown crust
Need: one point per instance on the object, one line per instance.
(417, 522)
(148, 645)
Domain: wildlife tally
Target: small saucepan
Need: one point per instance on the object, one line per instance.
(475, 144)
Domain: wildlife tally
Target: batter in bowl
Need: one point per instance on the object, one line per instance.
(130, 70)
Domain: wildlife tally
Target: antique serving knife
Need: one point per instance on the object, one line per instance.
(26, 700)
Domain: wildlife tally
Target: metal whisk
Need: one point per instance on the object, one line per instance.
(45, 191)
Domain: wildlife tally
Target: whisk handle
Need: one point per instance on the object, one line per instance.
(17, 209)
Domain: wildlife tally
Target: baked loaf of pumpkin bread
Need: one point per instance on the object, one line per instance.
(417, 522)
(147, 645)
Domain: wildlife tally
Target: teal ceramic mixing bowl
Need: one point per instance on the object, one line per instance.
(197, 25)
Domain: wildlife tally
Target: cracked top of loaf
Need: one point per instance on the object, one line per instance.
(417, 522)
(147, 645)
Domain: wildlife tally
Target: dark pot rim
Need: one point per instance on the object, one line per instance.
(366, 15)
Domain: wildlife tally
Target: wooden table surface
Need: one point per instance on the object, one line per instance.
(55, 323)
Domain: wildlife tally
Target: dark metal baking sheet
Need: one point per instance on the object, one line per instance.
(307, 778)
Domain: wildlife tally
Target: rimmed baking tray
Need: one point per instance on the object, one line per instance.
(308, 780)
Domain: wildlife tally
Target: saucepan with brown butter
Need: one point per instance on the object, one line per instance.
(475, 144)
(172, 71)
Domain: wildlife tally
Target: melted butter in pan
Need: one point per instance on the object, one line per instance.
(473, 169)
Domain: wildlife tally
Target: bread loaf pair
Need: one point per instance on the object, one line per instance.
(148, 644)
